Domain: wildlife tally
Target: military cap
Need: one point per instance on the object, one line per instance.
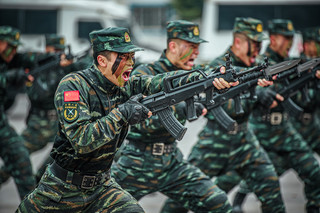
(317, 34)
(116, 39)
(56, 41)
(281, 26)
(253, 28)
(184, 30)
(308, 34)
(10, 34)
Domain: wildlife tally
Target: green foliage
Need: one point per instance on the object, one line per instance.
(188, 9)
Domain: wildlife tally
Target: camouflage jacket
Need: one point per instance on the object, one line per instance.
(247, 104)
(91, 128)
(273, 58)
(152, 130)
(9, 90)
(41, 91)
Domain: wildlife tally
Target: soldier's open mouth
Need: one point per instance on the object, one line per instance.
(126, 75)
(190, 62)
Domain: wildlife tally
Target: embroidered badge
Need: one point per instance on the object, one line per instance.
(70, 111)
(196, 31)
(127, 37)
(71, 96)
(259, 28)
(290, 26)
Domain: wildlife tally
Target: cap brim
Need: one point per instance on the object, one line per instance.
(194, 40)
(127, 49)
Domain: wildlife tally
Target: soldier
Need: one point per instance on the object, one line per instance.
(151, 161)
(284, 145)
(309, 44)
(95, 109)
(42, 121)
(12, 151)
(219, 151)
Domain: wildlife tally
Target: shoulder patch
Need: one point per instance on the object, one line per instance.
(70, 111)
(71, 96)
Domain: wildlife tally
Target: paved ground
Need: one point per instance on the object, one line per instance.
(291, 187)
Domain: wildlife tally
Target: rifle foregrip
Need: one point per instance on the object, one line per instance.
(292, 108)
(173, 126)
(223, 118)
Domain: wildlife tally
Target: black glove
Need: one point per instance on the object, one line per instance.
(134, 111)
(16, 76)
(266, 97)
(199, 108)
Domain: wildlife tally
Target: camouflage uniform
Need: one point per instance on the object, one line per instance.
(91, 130)
(219, 151)
(284, 145)
(42, 122)
(308, 124)
(152, 161)
(12, 151)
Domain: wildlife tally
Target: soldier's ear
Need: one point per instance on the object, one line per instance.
(172, 46)
(102, 60)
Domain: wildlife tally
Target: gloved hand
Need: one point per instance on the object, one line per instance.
(199, 108)
(16, 76)
(266, 97)
(134, 111)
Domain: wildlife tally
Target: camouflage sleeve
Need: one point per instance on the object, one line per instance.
(84, 128)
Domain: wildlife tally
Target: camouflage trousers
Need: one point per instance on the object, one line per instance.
(141, 173)
(16, 160)
(55, 195)
(287, 149)
(309, 129)
(40, 130)
(216, 153)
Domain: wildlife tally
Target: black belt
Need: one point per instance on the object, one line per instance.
(239, 128)
(155, 148)
(82, 181)
(275, 118)
(306, 118)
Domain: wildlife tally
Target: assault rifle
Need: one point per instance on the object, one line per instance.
(53, 60)
(160, 103)
(246, 86)
(304, 73)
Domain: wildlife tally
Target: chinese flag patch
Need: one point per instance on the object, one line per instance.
(71, 96)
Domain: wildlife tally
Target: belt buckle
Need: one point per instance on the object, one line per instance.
(235, 130)
(158, 148)
(276, 118)
(306, 118)
(88, 181)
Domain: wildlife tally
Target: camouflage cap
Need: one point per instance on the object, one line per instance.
(317, 34)
(281, 26)
(184, 30)
(116, 39)
(308, 34)
(56, 41)
(253, 28)
(10, 34)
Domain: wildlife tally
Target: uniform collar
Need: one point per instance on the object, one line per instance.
(169, 66)
(236, 61)
(104, 83)
(272, 55)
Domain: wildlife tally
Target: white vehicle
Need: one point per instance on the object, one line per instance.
(73, 19)
(218, 18)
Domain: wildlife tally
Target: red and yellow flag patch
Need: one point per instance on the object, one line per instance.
(71, 96)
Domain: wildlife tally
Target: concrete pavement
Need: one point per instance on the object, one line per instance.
(291, 186)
